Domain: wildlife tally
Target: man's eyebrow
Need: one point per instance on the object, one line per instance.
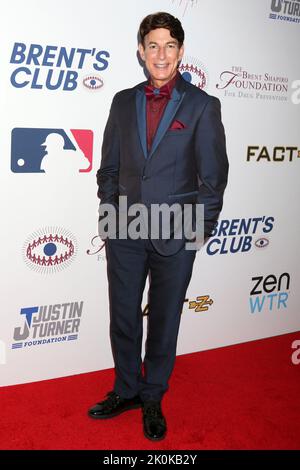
(169, 42)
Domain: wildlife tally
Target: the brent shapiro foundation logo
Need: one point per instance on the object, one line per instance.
(49, 250)
(97, 248)
(285, 10)
(48, 324)
(193, 71)
(237, 82)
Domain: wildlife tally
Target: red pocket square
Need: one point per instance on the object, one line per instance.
(177, 125)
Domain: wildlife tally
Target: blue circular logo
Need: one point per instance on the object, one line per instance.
(187, 76)
(50, 249)
(92, 82)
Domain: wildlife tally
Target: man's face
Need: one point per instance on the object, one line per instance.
(161, 55)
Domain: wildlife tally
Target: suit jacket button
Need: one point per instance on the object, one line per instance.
(144, 177)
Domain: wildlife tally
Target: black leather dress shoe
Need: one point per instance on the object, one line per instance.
(113, 405)
(155, 426)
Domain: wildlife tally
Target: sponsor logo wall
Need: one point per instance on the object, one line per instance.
(60, 67)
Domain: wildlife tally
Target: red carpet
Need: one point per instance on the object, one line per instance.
(239, 397)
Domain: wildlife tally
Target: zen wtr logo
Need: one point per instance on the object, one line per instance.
(51, 151)
(269, 293)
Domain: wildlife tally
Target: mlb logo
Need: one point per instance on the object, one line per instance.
(51, 150)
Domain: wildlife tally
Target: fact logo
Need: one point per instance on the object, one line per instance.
(193, 72)
(51, 151)
(49, 250)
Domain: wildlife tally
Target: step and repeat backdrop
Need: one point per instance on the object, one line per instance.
(60, 65)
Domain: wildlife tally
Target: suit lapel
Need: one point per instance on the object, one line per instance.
(140, 102)
(166, 119)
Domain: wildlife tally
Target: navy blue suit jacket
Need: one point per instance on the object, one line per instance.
(189, 165)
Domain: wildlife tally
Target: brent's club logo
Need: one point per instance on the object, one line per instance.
(49, 250)
(51, 151)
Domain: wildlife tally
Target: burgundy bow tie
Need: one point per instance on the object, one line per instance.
(158, 93)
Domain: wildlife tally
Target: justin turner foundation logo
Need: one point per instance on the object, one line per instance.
(285, 10)
(193, 71)
(48, 324)
(49, 250)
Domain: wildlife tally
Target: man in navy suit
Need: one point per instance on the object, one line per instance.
(164, 142)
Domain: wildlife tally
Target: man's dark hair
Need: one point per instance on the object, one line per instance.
(161, 20)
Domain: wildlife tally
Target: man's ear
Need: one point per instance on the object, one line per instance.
(142, 51)
(181, 52)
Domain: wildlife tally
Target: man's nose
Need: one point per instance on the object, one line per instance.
(161, 53)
